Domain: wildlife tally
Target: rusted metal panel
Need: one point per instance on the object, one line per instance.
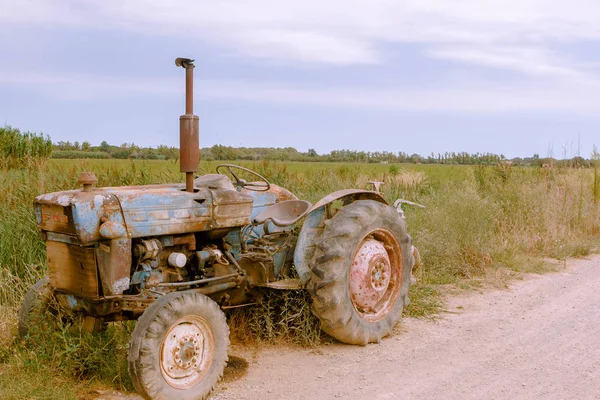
(72, 268)
(305, 247)
(260, 200)
(231, 208)
(57, 218)
(155, 210)
(87, 211)
(61, 237)
(280, 193)
(113, 230)
(82, 212)
(357, 194)
(190, 144)
(143, 211)
(167, 211)
(105, 306)
(60, 198)
(114, 265)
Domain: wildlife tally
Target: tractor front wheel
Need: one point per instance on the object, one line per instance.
(360, 272)
(179, 347)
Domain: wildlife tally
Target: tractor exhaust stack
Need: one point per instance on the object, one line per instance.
(189, 140)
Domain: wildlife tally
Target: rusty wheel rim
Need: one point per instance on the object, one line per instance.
(187, 351)
(376, 275)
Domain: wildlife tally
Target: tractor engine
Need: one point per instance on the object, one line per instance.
(122, 240)
(159, 262)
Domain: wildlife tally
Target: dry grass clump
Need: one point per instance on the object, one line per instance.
(281, 315)
(408, 179)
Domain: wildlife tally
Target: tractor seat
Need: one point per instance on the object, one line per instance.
(285, 213)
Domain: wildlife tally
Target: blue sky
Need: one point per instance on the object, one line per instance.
(514, 76)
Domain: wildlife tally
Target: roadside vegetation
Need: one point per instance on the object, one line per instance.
(481, 223)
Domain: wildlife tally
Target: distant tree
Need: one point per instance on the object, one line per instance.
(86, 146)
(578, 162)
(415, 158)
(312, 152)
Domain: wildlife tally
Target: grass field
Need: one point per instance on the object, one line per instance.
(481, 224)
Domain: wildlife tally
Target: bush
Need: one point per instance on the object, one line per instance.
(76, 154)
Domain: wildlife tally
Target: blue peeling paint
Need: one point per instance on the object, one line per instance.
(72, 301)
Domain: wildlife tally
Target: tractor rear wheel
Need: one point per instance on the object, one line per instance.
(178, 349)
(360, 272)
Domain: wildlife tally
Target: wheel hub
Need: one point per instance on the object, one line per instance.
(187, 352)
(370, 274)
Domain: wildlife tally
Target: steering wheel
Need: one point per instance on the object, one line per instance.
(255, 186)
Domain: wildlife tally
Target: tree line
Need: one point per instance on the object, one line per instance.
(18, 147)
(220, 152)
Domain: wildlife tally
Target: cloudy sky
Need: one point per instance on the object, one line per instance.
(506, 76)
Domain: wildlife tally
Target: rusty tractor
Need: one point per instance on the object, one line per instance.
(174, 256)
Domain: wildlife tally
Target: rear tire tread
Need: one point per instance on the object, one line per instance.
(329, 266)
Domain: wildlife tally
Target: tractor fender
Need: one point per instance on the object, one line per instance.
(314, 224)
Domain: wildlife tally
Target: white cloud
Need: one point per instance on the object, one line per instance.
(306, 47)
(528, 60)
(460, 97)
(521, 36)
(341, 32)
(87, 86)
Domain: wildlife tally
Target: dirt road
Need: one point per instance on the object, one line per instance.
(540, 339)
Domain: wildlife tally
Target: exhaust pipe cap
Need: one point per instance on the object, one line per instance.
(184, 62)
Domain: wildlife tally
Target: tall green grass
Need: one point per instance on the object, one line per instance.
(476, 220)
(22, 149)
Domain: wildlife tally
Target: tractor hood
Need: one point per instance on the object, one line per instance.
(140, 211)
